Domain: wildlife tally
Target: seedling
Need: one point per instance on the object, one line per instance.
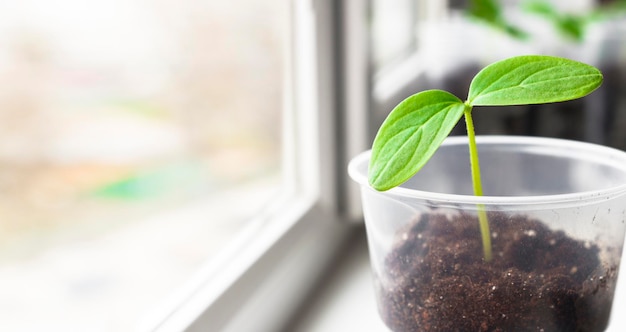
(417, 126)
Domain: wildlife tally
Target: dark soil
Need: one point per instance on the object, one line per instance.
(538, 280)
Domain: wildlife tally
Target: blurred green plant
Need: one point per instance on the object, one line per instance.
(490, 12)
(571, 26)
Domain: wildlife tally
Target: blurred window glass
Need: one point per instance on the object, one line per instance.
(137, 139)
(392, 31)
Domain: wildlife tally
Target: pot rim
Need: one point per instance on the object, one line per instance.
(613, 157)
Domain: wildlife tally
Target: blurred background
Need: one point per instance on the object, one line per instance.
(447, 42)
(137, 138)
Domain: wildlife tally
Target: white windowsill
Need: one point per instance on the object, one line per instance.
(345, 301)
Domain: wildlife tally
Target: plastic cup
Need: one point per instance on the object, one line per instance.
(556, 212)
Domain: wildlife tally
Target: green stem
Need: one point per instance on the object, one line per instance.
(477, 184)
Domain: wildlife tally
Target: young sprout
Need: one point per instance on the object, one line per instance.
(416, 127)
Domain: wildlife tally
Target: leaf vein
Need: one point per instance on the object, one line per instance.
(418, 132)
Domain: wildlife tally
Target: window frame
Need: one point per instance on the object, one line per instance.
(260, 281)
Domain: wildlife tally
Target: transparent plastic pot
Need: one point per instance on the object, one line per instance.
(556, 211)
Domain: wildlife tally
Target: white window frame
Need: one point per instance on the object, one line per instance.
(259, 282)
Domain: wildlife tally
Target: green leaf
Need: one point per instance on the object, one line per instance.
(532, 79)
(569, 25)
(487, 10)
(543, 8)
(410, 135)
(572, 27)
(490, 13)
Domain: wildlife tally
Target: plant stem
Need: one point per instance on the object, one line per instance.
(477, 184)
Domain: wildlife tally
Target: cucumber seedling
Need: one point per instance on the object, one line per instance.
(418, 125)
